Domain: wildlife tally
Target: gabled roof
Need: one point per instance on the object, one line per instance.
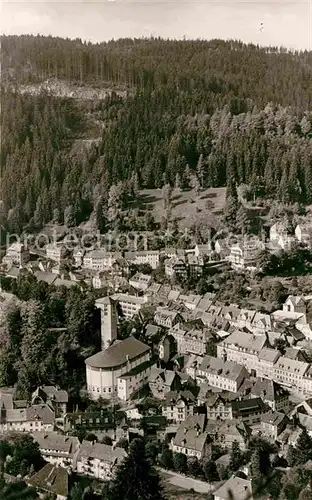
(191, 433)
(52, 479)
(235, 488)
(268, 390)
(101, 451)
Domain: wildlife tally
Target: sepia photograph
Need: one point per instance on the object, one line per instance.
(156, 250)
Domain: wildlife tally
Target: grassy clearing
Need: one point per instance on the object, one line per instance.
(186, 207)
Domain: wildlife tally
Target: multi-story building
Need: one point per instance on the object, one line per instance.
(178, 406)
(249, 410)
(166, 317)
(242, 348)
(56, 448)
(55, 252)
(191, 438)
(303, 233)
(124, 357)
(16, 255)
(30, 419)
(271, 393)
(99, 260)
(218, 407)
(57, 399)
(176, 267)
(228, 432)
(225, 375)
(272, 424)
(140, 281)
(191, 340)
(265, 364)
(129, 305)
(150, 257)
(290, 373)
(162, 381)
(99, 460)
(295, 304)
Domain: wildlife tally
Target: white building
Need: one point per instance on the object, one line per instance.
(99, 260)
(55, 252)
(56, 448)
(140, 281)
(33, 418)
(17, 254)
(222, 374)
(99, 280)
(99, 460)
(129, 304)
(124, 357)
(191, 438)
(303, 233)
(242, 348)
(295, 304)
(150, 257)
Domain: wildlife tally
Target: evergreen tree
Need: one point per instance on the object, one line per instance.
(135, 478)
(236, 457)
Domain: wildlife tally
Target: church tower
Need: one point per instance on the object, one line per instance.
(108, 308)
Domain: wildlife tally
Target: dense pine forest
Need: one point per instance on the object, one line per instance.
(211, 110)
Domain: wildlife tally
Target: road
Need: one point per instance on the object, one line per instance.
(186, 482)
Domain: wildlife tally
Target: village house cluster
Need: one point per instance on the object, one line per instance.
(221, 374)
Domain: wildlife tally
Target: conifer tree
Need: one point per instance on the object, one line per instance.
(135, 478)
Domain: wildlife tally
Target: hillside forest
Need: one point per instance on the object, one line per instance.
(187, 113)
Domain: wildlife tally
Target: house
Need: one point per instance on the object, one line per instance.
(244, 255)
(78, 255)
(273, 423)
(178, 406)
(222, 374)
(17, 254)
(124, 357)
(303, 233)
(163, 381)
(235, 488)
(228, 432)
(150, 257)
(49, 394)
(99, 280)
(249, 410)
(295, 304)
(242, 348)
(203, 250)
(191, 438)
(190, 339)
(33, 418)
(278, 230)
(166, 317)
(218, 407)
(55, 252)
(52, 480)
(98, 460)
(271, 393)
(176, 267)
(128, 304)
(99, 260)
(140, 281)
(57, 449)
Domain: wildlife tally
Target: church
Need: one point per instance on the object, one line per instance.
(122, 367)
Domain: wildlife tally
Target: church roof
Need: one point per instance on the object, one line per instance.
(118, 353)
